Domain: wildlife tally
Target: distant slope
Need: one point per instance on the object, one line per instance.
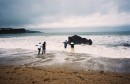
(16, 31)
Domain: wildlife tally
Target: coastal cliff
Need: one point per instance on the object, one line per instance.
(15, 31)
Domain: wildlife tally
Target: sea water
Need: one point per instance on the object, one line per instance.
(110, 51)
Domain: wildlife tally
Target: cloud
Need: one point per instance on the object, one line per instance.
(64, 13)
(94, 20)
(123, 5)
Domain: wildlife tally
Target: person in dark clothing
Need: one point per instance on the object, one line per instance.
(72, 47)
(65, 44)
(44, 47)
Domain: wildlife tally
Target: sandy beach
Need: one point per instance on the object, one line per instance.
(58, 75)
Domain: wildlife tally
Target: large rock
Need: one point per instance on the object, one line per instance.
(79, 40)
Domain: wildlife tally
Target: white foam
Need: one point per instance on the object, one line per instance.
(100, 48)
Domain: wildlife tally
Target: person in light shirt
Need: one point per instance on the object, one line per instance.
(39, 46)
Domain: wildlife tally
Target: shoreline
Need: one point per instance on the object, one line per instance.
(58, 75)
(64, 59)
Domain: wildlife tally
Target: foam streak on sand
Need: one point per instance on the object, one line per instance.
(71, 60)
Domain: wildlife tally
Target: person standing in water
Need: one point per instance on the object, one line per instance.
(72, 47)
(65, 44)
(44, 48)
(39, 48)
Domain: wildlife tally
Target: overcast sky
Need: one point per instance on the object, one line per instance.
(64, 13)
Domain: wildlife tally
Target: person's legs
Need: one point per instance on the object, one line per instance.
(39, 51)
(65, 46)
(44, 51)
(72, 50)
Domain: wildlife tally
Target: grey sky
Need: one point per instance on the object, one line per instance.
(64, 13)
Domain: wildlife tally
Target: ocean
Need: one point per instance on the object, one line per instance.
(109, 51)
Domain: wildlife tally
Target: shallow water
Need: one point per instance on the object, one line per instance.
(103, 46)
(63, 58)
(107, 53)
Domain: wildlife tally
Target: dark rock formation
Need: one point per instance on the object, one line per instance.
(79, 40)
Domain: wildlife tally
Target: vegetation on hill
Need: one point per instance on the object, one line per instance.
(15, 31)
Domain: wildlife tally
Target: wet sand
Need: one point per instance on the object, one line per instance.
(58, 75)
